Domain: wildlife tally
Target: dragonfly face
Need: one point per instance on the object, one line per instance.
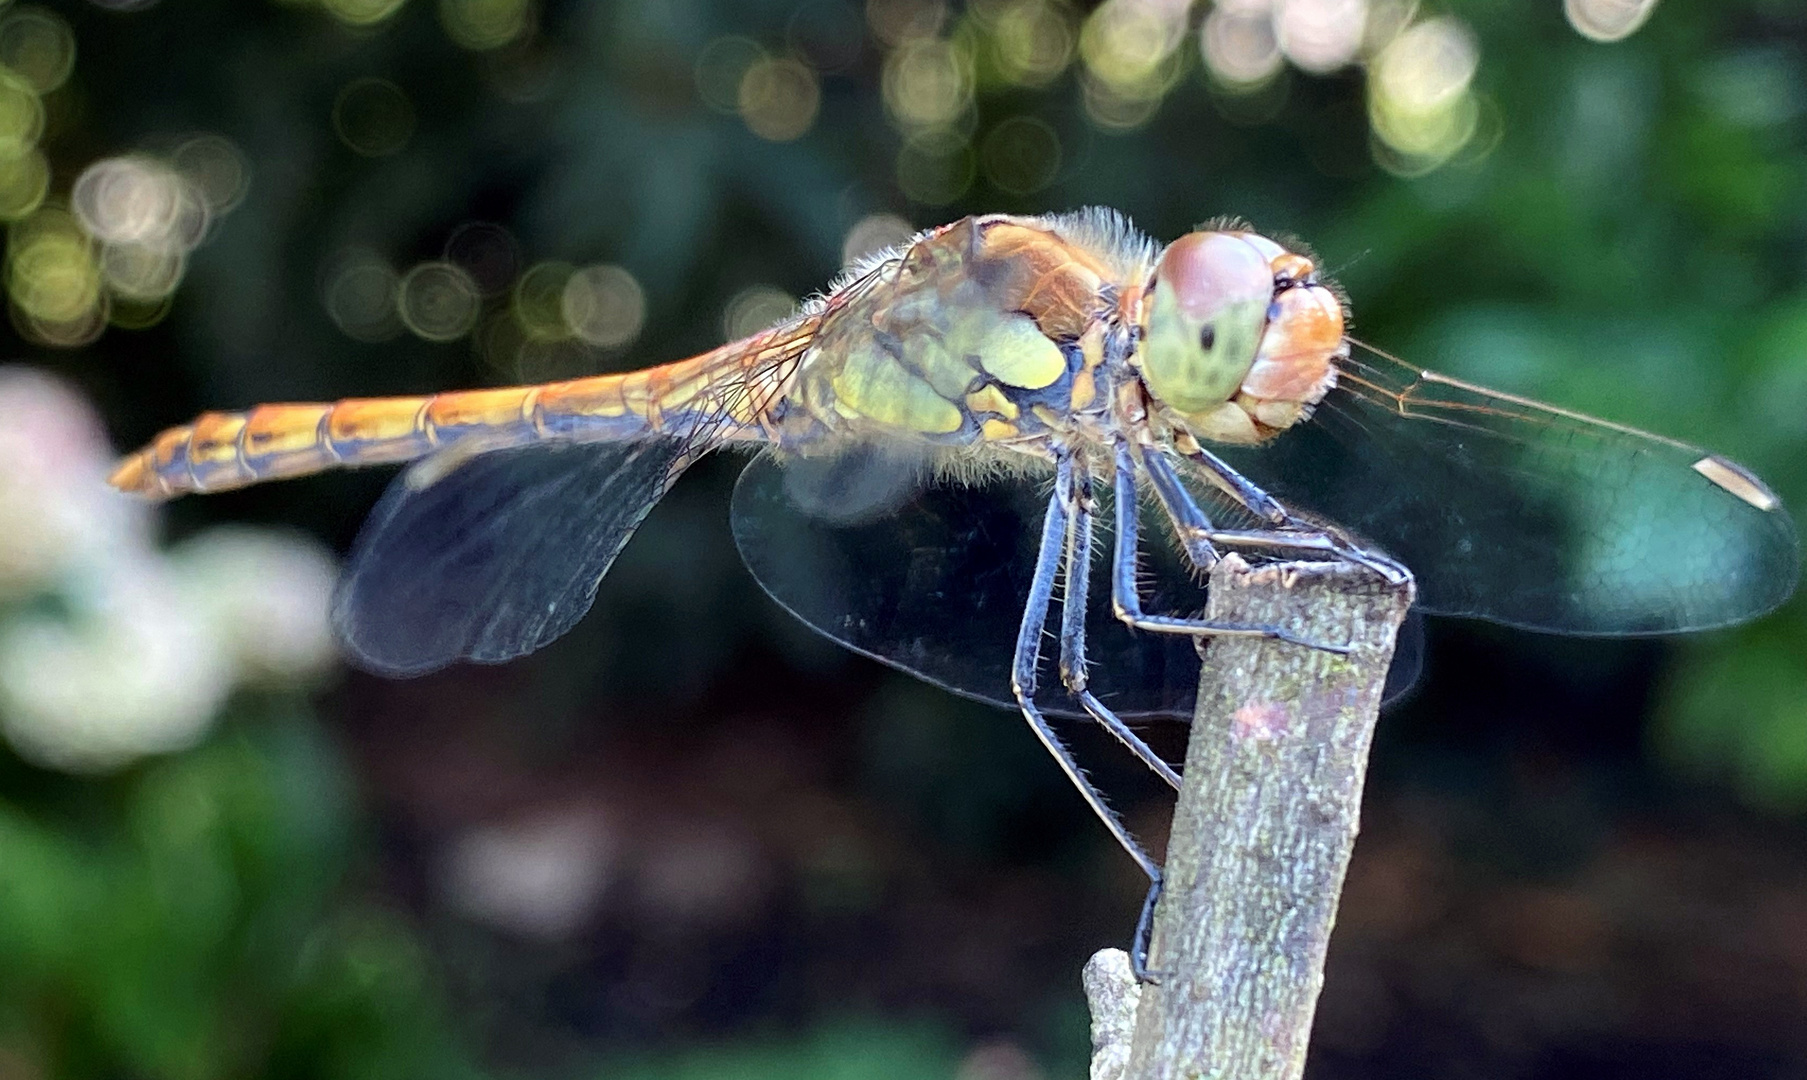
(1210, 381)
(1238, 336)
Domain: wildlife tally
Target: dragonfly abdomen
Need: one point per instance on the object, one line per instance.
(221, 450)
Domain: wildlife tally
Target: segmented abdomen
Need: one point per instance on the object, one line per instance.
(725, 389)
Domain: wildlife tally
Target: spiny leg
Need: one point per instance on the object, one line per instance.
(1027, 660)
(1240, 488)
(1196, 528)
(1078, 511)
(1126, 597)
(1189, 521)
(1073, 608)
(1023, 679)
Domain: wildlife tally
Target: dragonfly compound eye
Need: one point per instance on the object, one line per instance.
(1293, 368)
(1206, 314)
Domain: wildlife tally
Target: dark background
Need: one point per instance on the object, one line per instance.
(693, 840)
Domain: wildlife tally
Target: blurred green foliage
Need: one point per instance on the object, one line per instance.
(839, 1051)
(191, 919)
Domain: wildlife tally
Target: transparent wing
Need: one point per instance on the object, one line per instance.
(494, 556)
(933, 580)
(1528, 515)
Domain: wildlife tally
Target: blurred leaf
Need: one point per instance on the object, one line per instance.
(846, 1051)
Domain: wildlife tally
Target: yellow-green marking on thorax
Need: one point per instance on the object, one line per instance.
(874, 385)
(915, 367)
(1008, 347)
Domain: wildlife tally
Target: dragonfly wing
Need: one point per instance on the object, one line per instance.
(494, 556)
(1408, 659)
(934, 584)
(1528, 515)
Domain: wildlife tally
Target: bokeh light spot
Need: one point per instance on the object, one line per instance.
(721, 66)
(896, 22)
(54, 280)
(141, 272)
(39, 46)
(1113, 111)
(506, 345)
(216, 169)
(51, 271)
(1419, 101)
(755, 308)
(928, 83)
(1020, 155)
(1260, 103)
(498, 340)
(1320, 36)
(361, 12)
(1607, 20)
(359, 291)
(488, 253)
(84, 329)
(481, 25)
(874, 233)
(1032, 42)
(24, 181)
(545, 359)
(21, 114)
(539, 301)
(135, 199)
(131, 314)
(1240, 50)
(1128, 44)
(826, 33)
(1427, 67)
(1387, 19)
(935, 170)
(438, 301)
(603, 305)
(779, 98)
(373, 117)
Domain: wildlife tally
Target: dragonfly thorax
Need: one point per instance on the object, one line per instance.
(1239, 340)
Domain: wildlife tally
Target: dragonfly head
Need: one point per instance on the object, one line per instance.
(1239, 339)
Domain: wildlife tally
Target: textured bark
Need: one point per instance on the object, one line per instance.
(1113, 993)
(1265, 823)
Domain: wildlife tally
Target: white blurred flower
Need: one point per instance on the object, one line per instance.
(132, 652)
(131, 668)
(56, 511)
(542, 876)
(267, 597)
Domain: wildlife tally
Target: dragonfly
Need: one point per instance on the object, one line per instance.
(945, 434)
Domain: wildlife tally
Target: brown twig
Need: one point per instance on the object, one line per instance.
(1265, 823)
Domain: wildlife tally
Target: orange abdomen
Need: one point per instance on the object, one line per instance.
(222, 450)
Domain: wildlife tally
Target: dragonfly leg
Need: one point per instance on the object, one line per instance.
(1257, 501)
(1028, 659)
(1073, 607)
(1189, 521)
(1126, 598)
(1319, 540)
(1295, 535)
(1138, 947)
